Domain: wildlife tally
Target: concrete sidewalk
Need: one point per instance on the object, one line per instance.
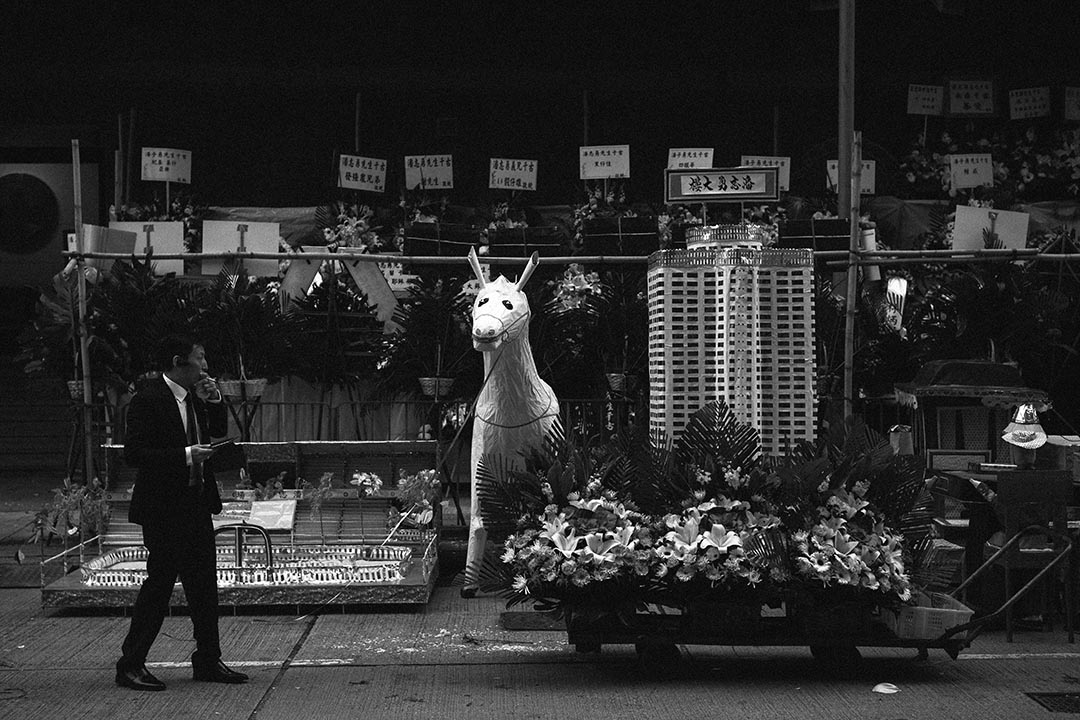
(454, 659)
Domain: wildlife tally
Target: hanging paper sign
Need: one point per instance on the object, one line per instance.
(925, 99)
(736, 184)
(600, 162)
(683, 158)
(396, 277)
(982, 228)
(429, 172)
(371, 281)
(157, 238)
(1029, 103)
(971, 170)
(230, 236)
(971, 97)
(867, 181)
(784, 163)
(1072, 103)
(166, 165)
(300, 276)
(356, 172)
(512, 174)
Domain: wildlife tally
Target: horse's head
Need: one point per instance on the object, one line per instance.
(500, 312)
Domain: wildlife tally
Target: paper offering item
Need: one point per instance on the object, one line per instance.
(156, 238)
(987, 228)
(273, 514)
(221, 236)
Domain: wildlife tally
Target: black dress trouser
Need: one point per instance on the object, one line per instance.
(182, 546)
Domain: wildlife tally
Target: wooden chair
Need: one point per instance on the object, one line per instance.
(1033, 507)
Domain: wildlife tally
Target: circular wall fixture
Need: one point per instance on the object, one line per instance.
(29, 214)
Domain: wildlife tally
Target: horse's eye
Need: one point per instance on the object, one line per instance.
(482, 301)
(507, 305)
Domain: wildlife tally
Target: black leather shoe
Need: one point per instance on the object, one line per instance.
(138, 679)
(218, 672)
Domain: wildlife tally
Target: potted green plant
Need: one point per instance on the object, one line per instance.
(432, 345)
(315, 496)
(342, 338)
(75, 509)
(602, 317)
(247, 335)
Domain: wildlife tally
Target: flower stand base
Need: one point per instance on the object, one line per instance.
(833, 632)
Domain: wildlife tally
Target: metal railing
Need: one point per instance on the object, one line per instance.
(283, 421)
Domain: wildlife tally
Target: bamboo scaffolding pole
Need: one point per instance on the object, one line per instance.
(854, 247)
(371, 258)
(886, 257)
(84, 332)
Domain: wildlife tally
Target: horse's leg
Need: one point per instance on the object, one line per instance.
(477, 533)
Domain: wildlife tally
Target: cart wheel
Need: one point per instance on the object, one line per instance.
(839, 660)
(658, 657)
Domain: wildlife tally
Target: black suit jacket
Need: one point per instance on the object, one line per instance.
(155, 443)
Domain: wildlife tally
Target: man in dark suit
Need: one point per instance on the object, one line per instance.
(170, 421)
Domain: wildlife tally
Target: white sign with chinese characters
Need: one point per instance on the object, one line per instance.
(776, 161)
(971, 170)
(157, 238)
(599, 162)
(867, 181)
(981, 228)
(1072, 103)
(1029, 103)
(429, 172)
(356, 172)
(221, 236)
(398, 280)
(925, 99)
(166, 165)
(971, 97)
(506, 174)
(736, 184)
(680, 158)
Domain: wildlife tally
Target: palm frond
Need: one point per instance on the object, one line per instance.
(505, 494)
(769, 550)
(897, 487)
(495, 576)
(714, 431)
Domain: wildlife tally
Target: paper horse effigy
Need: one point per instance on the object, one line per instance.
(515, 408)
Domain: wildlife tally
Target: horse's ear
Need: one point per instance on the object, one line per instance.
(475, 263)
(534, 261)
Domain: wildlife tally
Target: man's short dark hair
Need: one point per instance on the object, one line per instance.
(172, 345)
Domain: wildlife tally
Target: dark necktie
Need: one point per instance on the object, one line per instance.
(195, 477)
